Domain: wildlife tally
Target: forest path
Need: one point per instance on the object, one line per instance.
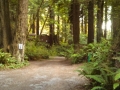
(53, 74)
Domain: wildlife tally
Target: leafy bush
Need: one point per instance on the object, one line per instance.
(7, 61)
(6, 58)
(116, 83)
(36, 52)
(65, 50)
(61, 50)
(99, 70)
(91, 50)
(83, 38)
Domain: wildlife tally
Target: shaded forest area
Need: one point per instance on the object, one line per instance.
(81, 30)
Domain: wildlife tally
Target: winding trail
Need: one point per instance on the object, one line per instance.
(53, 74)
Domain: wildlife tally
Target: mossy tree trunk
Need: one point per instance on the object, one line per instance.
(21, 30)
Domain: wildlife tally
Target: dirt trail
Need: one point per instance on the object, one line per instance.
(53, 74)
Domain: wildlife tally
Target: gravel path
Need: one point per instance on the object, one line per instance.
(53, 74)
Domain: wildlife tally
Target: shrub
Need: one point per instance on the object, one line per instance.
(65, 50)
(91, 50)
(36, 52)
(7, 61)
(99, 70)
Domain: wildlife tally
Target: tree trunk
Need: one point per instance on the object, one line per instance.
(99, 20)
(6, 30)
(75, 22)
(21, 30)
(51, 33)
(37, 24)
(116, 25)
(85, 23)
(33, 24)
(44, 24)
(105, 31)
(58, 29)
(91, 22)
(1, 43)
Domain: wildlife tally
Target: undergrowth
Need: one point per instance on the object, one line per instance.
(36, 51)
(99, 70)
(7, 61)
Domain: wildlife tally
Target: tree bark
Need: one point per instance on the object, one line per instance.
(106, 9)
(51, 32)
(37, 24)
(75, 22)
(1, 44)
(33, 24)
(91, 22)
(5, 23)
(99, 20)
(21, 31)
(116, 25)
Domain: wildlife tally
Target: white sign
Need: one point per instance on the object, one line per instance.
(20, 46)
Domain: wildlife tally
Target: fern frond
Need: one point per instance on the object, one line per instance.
(98, 88)
(97, 78)
(117, 76)
(115, 85)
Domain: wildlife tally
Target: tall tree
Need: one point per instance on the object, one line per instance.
(100, 4)
(106, 9)
(75, 12)
(91, 21)
(37, 22)
(51, 32)
(21, 30)
(0, 29)
(5, 24)
(116, 24)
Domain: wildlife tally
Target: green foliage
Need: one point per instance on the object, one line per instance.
(65, 50)
(61, 50)
(94, 51)
(99, 70)
(7, 61)
(116, 79)
(34, 52)
(6, 58)
(83, 38)
(53, 51)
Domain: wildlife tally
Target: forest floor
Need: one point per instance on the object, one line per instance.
(55, 73)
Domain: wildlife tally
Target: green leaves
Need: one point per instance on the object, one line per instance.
(98, 70)
(116, 79)
(117, 76)
(7, 61)
(98, 88)
(115, 85)
(97, 78)
(36, 52)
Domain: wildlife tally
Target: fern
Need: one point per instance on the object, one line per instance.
(97, 78)
(98, 88)
(117, 76)
(99, 70)
(115, 85)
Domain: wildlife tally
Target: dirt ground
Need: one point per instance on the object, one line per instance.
(53, 74)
